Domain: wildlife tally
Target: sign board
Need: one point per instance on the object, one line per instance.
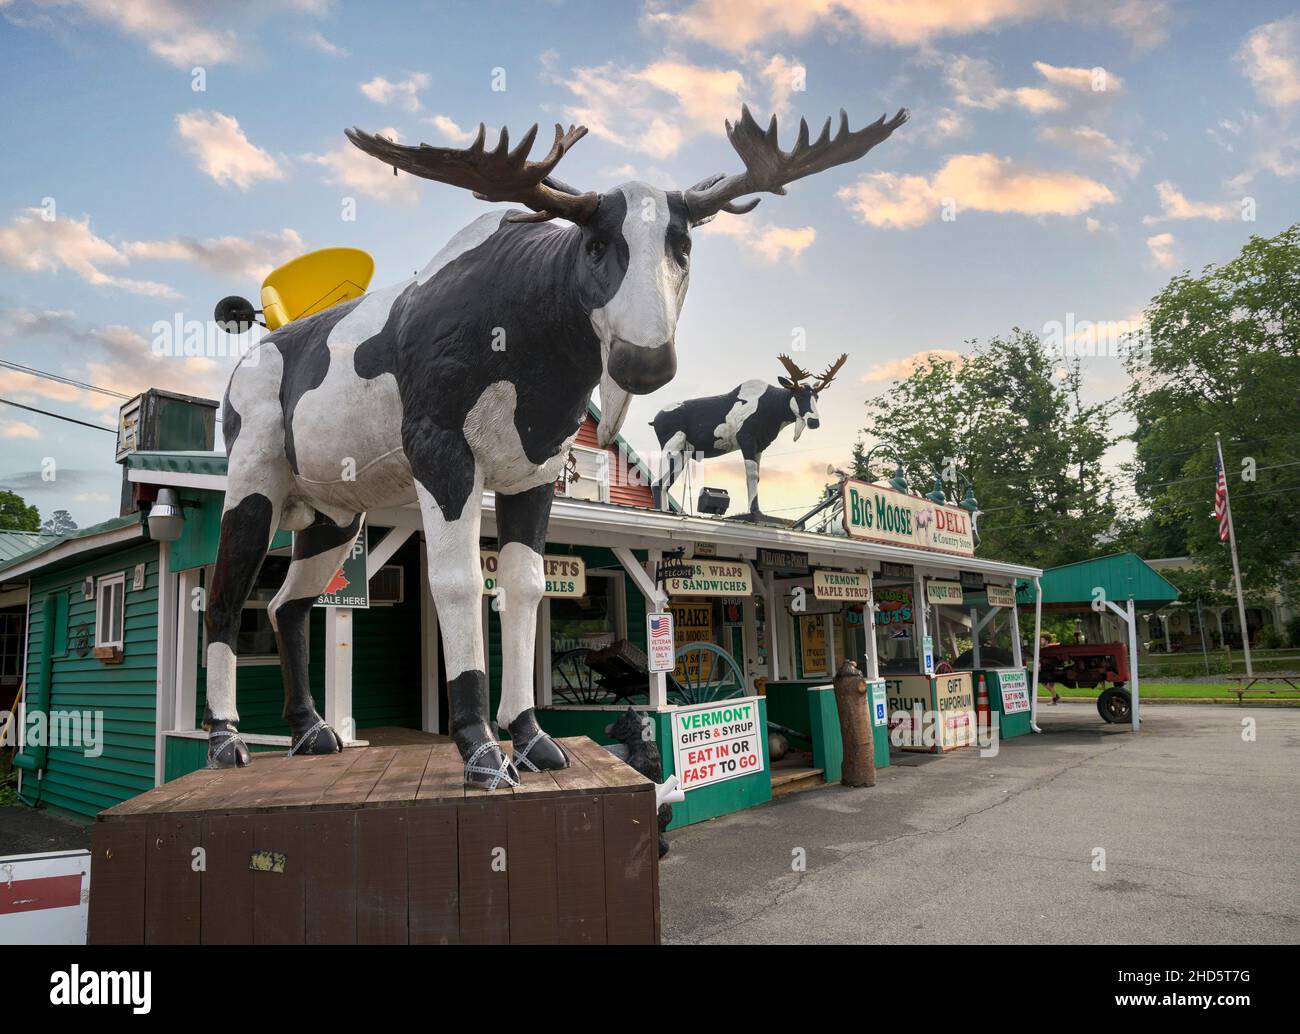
(972, 580)
(1000, 595)
(704, 549)
(841, 585)
(714, 578)
(812, 645)
(660, 646)
(44, 898)
(907, 700)
(879, 702)
(1015, 690)
(716, 742)
(927, 649)
(880, 514)
(889, 569)
(956, 706)
(943, 592)
(350, 586)
(692, 623)
(566, 576)
(787, 560)
(895, 606)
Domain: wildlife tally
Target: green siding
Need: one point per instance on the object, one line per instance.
(124, 695)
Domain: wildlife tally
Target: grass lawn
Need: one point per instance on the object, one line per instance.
(1184, 690)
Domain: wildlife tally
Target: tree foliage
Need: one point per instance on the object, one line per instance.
(16, 515)
(60, 522)
(1221, 352)
(1011, 418)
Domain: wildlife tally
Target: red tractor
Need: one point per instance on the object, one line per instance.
(1093, 664)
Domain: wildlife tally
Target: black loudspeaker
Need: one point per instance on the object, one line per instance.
(714, 501)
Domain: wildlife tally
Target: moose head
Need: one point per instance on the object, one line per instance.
(632, 243)
(804, 389)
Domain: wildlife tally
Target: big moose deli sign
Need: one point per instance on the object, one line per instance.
(714, 578)
(565, 575)
(883, 515)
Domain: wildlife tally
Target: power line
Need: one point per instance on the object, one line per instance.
(59, 378)
(59, 416)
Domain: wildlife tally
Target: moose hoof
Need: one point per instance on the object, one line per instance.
(534, 749)
(487, 768)
(226, 749)
(318, 738)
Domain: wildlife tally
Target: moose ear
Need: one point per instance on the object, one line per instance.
(786, 383)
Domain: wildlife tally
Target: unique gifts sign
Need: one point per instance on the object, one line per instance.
(943, 592)
(1015, 690)
(714, 578)
(566, 576)
(883, 515)
(841, 585)
(716, 742)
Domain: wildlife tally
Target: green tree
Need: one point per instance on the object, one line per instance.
(1221, 352)
(16, 515)
(1011, 418)
(59, 523)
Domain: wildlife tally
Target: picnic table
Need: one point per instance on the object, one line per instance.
(1291, 678)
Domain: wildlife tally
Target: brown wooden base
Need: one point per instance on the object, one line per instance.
(381, 845)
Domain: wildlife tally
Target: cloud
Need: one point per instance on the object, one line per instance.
(1268, 143)
(1174, 205)
(738, 25)
(404, 92)
(92, 497)
(1270, 58)
(771, 243)
(246, 257)
(783, 76)
(16, 429)
(974, 84)
(1161, 248)
(1080, 80)
(1092, 143)
(901, 369)
(346, 166)
(316, 41)
(33, 244)
(972, 182)
(452, 131)
(222, 150)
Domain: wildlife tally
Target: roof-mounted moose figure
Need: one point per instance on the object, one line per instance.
(473, 374)
(747, 418)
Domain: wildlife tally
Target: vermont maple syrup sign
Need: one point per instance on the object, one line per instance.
(882, 515)
(350, 587)
(566, 576)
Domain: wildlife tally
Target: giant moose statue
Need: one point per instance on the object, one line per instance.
(748, 418)
(473, 374)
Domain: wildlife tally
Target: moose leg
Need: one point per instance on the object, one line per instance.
(318, 551)
(670, 467)
(450, 512)
(752, 459)
(521, 581)
(247, 525)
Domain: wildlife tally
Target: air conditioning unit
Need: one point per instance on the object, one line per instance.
(388, 586)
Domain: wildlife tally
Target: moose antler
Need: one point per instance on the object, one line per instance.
(497, 175)
(797, 373)
(768, 168)
(824, 379)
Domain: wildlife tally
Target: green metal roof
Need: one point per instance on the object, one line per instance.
(16, 543)
(49, 542)
(179, 462)
(1120, 576)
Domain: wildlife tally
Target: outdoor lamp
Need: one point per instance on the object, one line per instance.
(968, 503)
(899, 481)
(936, 495)
(166, 519)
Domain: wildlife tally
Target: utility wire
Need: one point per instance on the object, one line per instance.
(59, 416)
(59, 378)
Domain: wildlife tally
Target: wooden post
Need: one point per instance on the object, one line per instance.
(855, 727)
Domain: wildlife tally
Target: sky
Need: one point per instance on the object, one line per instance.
(1063, 160)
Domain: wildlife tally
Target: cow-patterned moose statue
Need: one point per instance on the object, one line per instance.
(473, 374)
(748, 418)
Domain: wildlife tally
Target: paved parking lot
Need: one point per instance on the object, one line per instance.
(1200, 832)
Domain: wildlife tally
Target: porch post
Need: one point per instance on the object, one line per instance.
(429, 647)
(1017, 651)
(919, 618)
(656, 602)
(869, 627)
(165, 694)
(773, 629)
(974, 638)
(338, 671)
(188, 615)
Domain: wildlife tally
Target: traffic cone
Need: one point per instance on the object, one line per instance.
(983, 710)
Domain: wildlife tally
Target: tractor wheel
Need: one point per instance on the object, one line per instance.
(1114, 705)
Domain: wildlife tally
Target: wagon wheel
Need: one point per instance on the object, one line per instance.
(575, 683)
(713, 676)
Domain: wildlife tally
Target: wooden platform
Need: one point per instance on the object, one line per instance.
(381, 845)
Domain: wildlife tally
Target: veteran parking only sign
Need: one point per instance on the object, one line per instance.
(716, 742)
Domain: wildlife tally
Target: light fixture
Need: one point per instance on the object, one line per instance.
(714, 501)
(935, 494)
(166, 518)
(968, 503)
(899, 481)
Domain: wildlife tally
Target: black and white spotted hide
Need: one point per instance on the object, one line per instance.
(746, 419)
(474, 374)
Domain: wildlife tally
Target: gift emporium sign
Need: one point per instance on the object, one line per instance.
(882, 515)
(716, 742)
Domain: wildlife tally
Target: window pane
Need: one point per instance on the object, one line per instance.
(119, 610)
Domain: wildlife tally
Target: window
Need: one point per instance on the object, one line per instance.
(255, 641)
(12, 625)
(110, 609)
(593, 476)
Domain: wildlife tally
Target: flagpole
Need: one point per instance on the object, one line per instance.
(1236, 567)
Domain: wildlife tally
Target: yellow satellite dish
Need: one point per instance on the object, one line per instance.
(313, 282)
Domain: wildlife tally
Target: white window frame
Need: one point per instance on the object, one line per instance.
(110, 581)
(603, 462)
(252, 660)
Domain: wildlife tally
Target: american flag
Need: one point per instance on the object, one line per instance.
(660, 626)
(1221, 503)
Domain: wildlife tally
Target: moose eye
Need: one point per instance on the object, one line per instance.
(596, 248)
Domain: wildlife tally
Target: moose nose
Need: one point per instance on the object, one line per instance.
(642, 369)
